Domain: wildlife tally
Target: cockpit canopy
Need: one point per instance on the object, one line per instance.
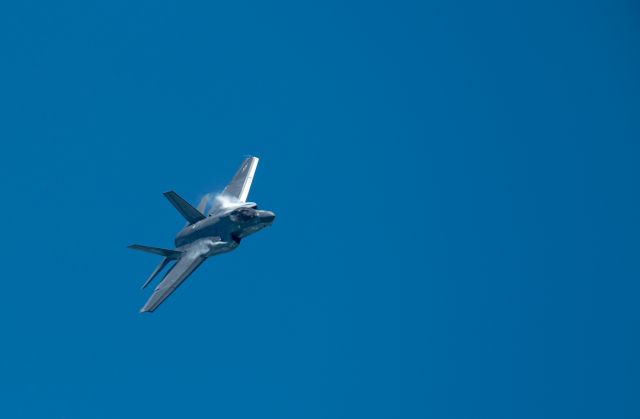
(243, 214)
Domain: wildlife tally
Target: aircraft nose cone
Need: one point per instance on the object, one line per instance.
(268, 216)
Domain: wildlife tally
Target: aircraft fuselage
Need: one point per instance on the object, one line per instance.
(230, 226)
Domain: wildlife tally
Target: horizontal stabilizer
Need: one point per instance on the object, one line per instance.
(169, 254)
(189, 213)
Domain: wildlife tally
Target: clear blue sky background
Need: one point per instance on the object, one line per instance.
(456, 185)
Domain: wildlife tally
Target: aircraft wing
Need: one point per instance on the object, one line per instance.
(236, 191)
(239, 186)
(172, 280)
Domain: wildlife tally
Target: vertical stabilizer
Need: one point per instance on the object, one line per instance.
(189, 213)
(156, 271)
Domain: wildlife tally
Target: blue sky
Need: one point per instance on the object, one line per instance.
(456, 187)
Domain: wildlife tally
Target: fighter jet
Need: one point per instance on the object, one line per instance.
(229, 218)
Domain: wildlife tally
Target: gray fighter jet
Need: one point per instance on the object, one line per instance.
(229, 218)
